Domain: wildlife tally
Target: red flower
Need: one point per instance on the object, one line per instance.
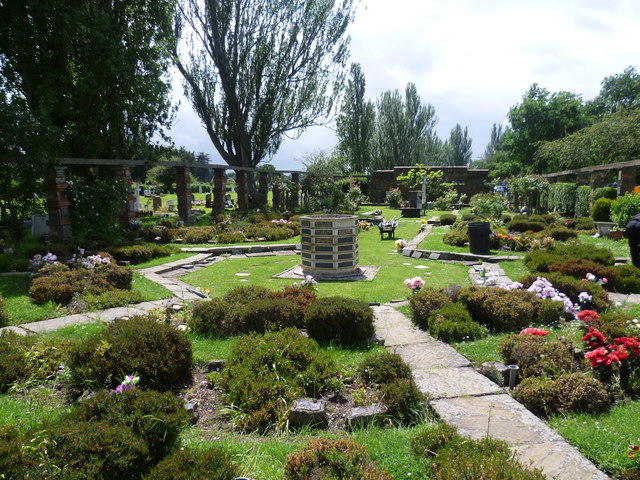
(597, 357)
(630, 344)
(616, 355)
(593, 338)
(588, 316)
(534, 331)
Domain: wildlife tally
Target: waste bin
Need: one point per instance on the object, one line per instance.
(479, 237)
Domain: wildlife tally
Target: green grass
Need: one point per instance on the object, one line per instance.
(19, 306)
(387, 285)
(205, 349)
(620, 248)
(162, 260)
(434, 242)
(150, 290)
(80, 331)
(605, 438)
(28, 413)
(514, 269)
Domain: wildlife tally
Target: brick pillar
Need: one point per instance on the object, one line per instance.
(275, 191)
(241, 184)
(58, 204)
(263, 191)
(219, 181)
(127, 212)
(598, 179)
(583, 178)
(295, 192)
(626, 180)
(183, 190)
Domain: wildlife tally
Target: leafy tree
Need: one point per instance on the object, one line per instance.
(404, 130)
(355, 123)
(255, 70)
(202, 175)
(322, 163)
(495, 142)
(436, 187)
(542, 116)
(90, 71)
(460, 147)
(617, 92)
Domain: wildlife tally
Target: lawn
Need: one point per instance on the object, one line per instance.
(434, 242)
(387, 285)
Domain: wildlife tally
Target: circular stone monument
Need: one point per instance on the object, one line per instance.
(329, 245)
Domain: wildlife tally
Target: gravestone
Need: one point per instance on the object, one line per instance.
(147, 193)
(39, 225)
(171, 206)
(200, 188)
(157, 203)
(137, 206)
(207, 201)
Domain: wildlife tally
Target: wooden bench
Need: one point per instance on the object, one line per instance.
(388, 227)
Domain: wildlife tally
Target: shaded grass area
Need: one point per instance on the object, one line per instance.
(434, 241)
(162, 260)
(605, 438)
(387, 285)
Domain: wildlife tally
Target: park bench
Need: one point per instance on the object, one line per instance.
(388, 227)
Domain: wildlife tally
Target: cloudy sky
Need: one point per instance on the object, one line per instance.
(471, 59)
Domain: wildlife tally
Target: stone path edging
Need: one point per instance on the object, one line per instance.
(474, 404)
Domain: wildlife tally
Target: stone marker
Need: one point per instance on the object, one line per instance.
(308, 412)
(216, 365)
(416, 254)
(361, 416)
(434, 256)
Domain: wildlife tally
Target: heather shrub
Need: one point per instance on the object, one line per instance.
(102, 301)
(508, 310)
(559, 233)
(192, 234)
(432, 438)
(536, 394)
(457, 235)
(154, 417)
(325, 459)
(246, 294)
(270, 314)
(214, 318)
(303, 296)
(584, 223)
(155, 351)
(345, 321)
(13, 356)
(117, 277)
(485, 459)
(575, 392)
(424, 303)
(572, 287)
(614, 325)
(627, 279)
(382, 368)
(156, 233)
(536, 356)
(195, 464)
(447, 219)
(521, 223)
(453, 323)
(264, 373)
(579, 267)
(231, 237)
(44, 356)
(539, 260)
(141, 252)
(59, 287)
(403, 399)
(272, 231)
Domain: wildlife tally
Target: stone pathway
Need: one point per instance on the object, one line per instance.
(475, 405)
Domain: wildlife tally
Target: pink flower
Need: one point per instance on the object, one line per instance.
(534, 331)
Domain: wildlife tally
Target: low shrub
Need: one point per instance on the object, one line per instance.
(601, 210)
(394, 198)
(429, 440)
(231, 237)
(485, 459)
(214, 318)
(520, 224)
(615, 325)
(303, 296)
(447, 219)
(192, 234)
(627, 279)
(13, 357)
(403, 399)
(195, 464)
(270, 314)
(158, 353)
(508, 310)
(572, 288)
(624, 208)
(45, 356)
(246, 294)
(156, 233)
(325, 459)
(382, 368)
(559, 233)
(583, 223)
(108, 299)
(141, 252)
(580, 267)
(264, 373)
(117, 277)
(539, 260)
(453, 323)
(272, 231)
(536, 356)
(610, 193)
(424, 303)
(346, 321)
(572, 392)
(59, 287)
(457, 235)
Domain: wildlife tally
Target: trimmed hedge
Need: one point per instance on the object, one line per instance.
(345, 321)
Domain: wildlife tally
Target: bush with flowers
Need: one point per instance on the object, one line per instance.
(400, 245)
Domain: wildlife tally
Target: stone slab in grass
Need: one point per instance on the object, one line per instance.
(395, 329)
(453, 382)
(55, 323)
(431, 355)
(558, 460)
(499, 416)
(261, 254)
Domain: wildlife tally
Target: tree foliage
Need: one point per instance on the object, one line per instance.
(459, 147)
(356, 123)
(256, 70)
(404, 132)
(617, 92)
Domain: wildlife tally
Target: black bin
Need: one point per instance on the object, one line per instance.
(479, 237)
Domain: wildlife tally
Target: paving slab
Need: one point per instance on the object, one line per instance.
(56, 323)
(559, 461)
(498, 416)
(12, 328)
(454, 382)
(430, 355)
(261, 254)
